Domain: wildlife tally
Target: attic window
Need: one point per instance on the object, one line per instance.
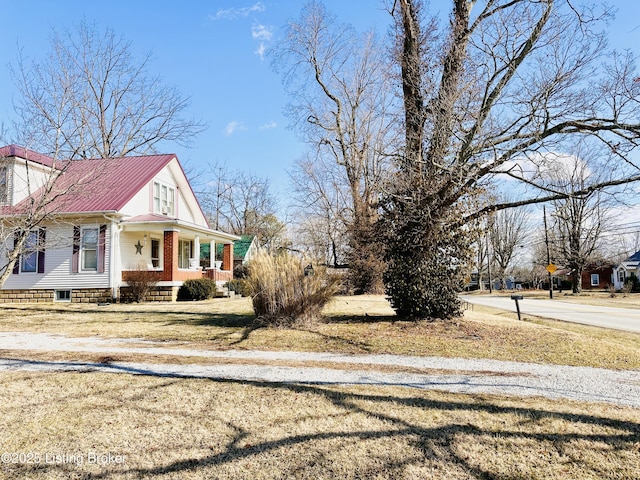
(163, 199)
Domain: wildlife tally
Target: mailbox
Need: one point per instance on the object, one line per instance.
(516, 298)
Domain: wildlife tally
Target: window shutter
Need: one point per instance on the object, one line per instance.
(16, 267)
(42, 238)
(75, 256)
(101, 248)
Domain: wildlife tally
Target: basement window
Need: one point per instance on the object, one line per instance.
(63, 295)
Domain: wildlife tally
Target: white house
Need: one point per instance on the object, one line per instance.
(106, 218)
(627, 269)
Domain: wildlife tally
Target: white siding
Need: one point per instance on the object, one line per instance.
(131, 260)
(140, 204)
(165, 176)
(25, 180)
(57, 265)
(186, 208)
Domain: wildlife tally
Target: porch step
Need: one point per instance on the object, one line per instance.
(224, 293)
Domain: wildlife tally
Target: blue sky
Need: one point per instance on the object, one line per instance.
(212, 52)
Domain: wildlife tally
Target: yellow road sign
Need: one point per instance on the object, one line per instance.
(551, 268)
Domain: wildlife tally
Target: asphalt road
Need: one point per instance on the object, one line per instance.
(627, 319)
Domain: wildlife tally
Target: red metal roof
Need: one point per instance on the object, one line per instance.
(18, 151)
(99, 185)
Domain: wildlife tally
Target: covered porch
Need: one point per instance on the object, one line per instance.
(173, 250)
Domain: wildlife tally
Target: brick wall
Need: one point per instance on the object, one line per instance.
(227, 257)
(170, 255)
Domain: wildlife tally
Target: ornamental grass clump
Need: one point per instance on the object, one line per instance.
(285, 291)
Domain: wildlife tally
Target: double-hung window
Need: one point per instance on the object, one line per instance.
(155, 253)
(163, 199)
(89, 252)
(29, 259)
(89, 249)
(595, 279)
(184, 253)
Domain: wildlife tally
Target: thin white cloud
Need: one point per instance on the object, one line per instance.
(261, 50)
(233, 13)
(233, 127)
(261, 32)
(268, 126)
(550, 165)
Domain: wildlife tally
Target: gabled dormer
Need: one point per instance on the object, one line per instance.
(22, 172)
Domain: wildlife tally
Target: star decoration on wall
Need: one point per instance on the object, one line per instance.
(138, 248)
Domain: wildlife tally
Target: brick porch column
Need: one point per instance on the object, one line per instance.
(170, 270)
(227, 257)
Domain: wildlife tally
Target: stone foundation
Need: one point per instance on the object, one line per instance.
(157, 294)
(85, 295)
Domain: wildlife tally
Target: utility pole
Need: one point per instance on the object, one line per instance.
(489, 265)
(546, 241)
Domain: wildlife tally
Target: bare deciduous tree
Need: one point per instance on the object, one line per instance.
(91, 98)
(321, 201)
(507, 229)
(339, 104)
(510, 80)
(242, 203)
(578, 221)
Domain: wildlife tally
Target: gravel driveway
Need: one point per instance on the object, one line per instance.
(467, 375)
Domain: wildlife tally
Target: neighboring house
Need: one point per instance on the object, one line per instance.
(115, 216)
(594, 277)
(561, 279)
(598, 277)
(627, 269)
(244, 250)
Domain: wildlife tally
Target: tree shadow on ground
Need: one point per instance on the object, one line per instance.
(176, 316)
(439, 443)
(248, 323)
(550, 431)
(366, 318)
(231, 320)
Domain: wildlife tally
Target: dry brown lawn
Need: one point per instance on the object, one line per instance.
(57, 426)
(355, 325)
(108, 426)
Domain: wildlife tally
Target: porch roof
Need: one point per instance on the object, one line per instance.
(161, 222)
(629, 265)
